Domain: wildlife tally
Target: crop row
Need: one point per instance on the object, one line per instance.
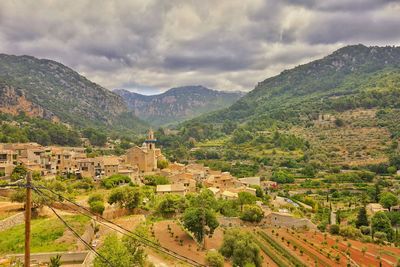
(282, 250)
(277, 259)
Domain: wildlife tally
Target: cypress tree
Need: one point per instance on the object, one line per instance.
(362, 218)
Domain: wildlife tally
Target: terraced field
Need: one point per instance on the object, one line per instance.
(360, 141)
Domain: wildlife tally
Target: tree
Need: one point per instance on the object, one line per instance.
(246, 198)
(38, 201)
(240, 247)
(380, 237)
(381, 223)
(362, 218)
(162, 164)
(155, 180)
(334, 229)
(309, 171)
(282, 177)
(97, 207)
(259, 191)
(214, 259)
(339, 122)
(240, 136)
(119, 253)
(228, 127)
(388, 200)
(205, 198)
(127, 197)
(377, 192)
(95, 197)
(136, 250)
(200, 221)
(95, 136)
(391, 169)
(115, 180)
(252, 213)
(228, 208)
(171, 204)
(18, 173)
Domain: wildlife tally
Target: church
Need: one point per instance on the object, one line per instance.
(146, 156)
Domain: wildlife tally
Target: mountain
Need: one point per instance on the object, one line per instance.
(177, 104)
(47, 89)
(352, 77)
(344, 108)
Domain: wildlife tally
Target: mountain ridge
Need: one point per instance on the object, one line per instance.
(178, 103)
(313, 86)
(61, 93)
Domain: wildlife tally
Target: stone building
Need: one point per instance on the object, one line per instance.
(146, 156)
(7, 162)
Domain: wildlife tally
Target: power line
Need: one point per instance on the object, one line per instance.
(13, 185)
(104, 259)
(137, 237)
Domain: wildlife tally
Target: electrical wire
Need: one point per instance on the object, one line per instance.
(137, 237)
(104, 259)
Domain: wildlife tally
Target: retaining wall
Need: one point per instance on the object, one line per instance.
(12, 221)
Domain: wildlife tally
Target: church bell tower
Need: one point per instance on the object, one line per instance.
(150, 141)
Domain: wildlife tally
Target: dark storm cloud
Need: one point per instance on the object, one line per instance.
(154, 44)
(347, 27)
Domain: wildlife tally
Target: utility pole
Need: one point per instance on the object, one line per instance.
(28, 211)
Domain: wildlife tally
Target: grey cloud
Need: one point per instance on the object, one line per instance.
(341, 5)
(153, 45)
(353, 28)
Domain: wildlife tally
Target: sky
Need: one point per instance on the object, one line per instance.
(149, 46)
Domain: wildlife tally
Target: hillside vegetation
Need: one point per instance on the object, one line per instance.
(352, 77)
(177, 104)
(50, 90)
(342, 110)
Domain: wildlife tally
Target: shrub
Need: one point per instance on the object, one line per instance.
(350, 232)
(97, 207)
(252, 213)
(155, 180)
(214, 259)
(95, 197)
(380, 237)
(365, 230)
(334, 229)
(115, 180)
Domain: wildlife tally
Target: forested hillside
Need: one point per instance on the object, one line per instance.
(342, 110)
(351, 77)
(50, 90)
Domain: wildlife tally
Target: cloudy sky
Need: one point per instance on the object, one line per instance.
(152, 45)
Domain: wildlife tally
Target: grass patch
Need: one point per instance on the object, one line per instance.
(44, 234)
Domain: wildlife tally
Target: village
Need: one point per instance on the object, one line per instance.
(283, 215)
(135, 164)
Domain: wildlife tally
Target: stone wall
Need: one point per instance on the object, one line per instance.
(87, 236)
(12, 221)
(272, 219)
(283, 220)
(66, 257)
(112, 213)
